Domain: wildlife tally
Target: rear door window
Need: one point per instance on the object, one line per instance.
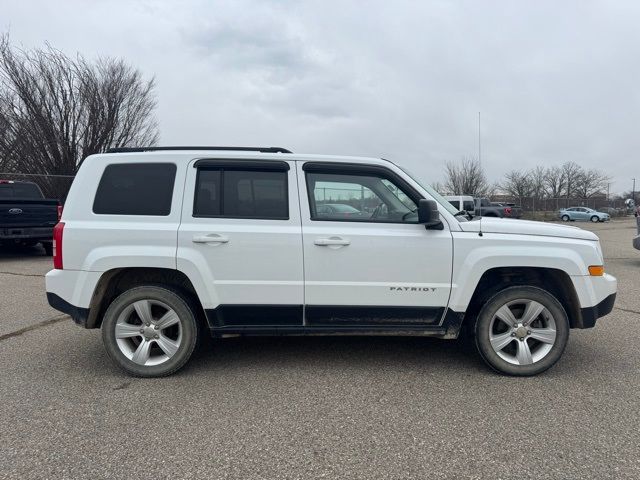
(237, 193)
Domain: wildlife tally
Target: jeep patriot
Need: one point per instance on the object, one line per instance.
(158, 246)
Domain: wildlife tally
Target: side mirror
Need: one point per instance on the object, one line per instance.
(428, 214)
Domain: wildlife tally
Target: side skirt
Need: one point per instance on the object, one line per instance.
(449, 329)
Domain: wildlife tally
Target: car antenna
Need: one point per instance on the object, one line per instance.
(480, 165)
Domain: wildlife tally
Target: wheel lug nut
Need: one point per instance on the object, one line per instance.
(513, 334)
(156, 336)
(142, 330)
(147, 324)
(155, 327)
(528, 332)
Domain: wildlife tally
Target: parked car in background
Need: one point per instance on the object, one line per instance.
(462, 203)
(582, 214)
(484, 207)
(337, 210)
(26, 217)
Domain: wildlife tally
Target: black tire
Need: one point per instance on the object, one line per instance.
(483, 324)
(595, 219)
(48, 248)
(188, 323)
(565, 218)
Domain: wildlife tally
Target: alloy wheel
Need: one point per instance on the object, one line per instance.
(522, 332)
(148, 332)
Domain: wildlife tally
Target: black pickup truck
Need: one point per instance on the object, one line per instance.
(26, 217)
(485, 208)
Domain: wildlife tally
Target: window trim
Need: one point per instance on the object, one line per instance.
(339, 168)
(240, 166)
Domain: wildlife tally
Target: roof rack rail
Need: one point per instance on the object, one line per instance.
(240, 149)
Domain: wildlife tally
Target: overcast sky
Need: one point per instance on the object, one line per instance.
(555, 81)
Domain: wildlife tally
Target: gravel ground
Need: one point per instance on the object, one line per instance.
(316, 407)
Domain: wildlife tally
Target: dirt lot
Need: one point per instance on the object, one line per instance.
(316, 407)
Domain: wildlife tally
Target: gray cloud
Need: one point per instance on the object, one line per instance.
(555, 81)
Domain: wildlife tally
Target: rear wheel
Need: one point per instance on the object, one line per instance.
(565, 218)
(522, 331)
(150, 331)
(595, 219)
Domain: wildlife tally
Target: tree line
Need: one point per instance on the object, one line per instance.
(569, 180)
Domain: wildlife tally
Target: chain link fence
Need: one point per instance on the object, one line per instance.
(547, 208)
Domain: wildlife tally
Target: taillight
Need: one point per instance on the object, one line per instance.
(59, 212)
(57, 245)
(507, 211)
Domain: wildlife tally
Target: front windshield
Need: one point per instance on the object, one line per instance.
(436, 196)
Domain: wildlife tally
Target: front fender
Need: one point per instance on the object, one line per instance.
(474, 255)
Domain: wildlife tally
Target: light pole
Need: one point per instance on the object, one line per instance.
(633, 191)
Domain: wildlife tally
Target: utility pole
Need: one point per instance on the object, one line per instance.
(479, 149)
(633, 191)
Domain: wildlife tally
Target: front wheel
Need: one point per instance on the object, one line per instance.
(565, 218)
(595, 219)
(522, 331)
(149, 331)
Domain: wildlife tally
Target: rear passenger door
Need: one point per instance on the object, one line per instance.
(240, 236)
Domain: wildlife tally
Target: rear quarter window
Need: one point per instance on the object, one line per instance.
(135, 189)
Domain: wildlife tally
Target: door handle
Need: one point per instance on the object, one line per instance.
(331, 241)
(210, 238)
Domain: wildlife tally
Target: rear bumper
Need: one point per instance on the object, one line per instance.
(78, 314)
(591, 314)
(26, 233)
(71, 291)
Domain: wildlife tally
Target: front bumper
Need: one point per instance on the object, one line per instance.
(596, 296)
(591, 314)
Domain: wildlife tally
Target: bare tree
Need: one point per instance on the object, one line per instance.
(590, 182)
(517, 184)
(56, 110)
(466, 177)
(555, 181)
(538, 184)
(571, 172)
(438, 187)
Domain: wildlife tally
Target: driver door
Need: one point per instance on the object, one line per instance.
(378, 267)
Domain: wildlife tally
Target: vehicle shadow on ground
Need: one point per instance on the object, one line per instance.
(235, 356)
(359, 355)
(19, 253)
(354, 351)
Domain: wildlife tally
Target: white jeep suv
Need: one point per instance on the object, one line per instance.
(158, 245)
